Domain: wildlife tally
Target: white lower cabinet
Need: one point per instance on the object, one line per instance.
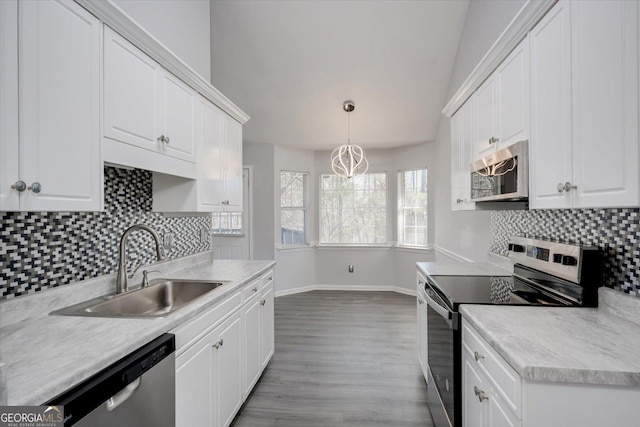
(421, 302)
(221, 355)
(494, 395)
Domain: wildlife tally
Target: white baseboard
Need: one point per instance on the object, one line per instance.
(397, 289)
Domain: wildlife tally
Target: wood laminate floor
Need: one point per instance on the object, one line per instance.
(342, 358)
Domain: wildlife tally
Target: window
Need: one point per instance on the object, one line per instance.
(353, 211)
(412, 207)
(293, 208)
(227, 223)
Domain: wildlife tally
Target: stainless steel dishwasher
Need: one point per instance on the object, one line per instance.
(136, 391)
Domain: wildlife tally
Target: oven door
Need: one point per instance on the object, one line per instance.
(442, 328)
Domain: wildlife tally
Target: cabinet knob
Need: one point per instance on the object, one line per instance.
(19, 186)
(459, 200)
(560, 187)
(167, 140)
(163, 139)
(254, 289)
(263, 302)
(477, 356)
(35, 187)
(480, 393)
(568, 186)
(218, 344)
(420, 301)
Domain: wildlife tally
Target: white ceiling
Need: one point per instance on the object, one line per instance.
(291, 64)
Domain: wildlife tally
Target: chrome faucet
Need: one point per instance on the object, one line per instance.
(121, 280)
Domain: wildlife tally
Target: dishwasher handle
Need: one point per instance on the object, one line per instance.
(120, 397)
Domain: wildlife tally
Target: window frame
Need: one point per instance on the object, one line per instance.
(387, 210)
(305, 208)
(400, 229)
(242, 224)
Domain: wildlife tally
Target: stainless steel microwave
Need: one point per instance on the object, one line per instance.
(502, 176)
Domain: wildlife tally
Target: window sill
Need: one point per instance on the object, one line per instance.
(325, 247)
(293, 248)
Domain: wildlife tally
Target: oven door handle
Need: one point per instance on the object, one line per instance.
(437, 307)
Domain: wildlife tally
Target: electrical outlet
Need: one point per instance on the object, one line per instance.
(168, 240)
(204, 235)
(351, 268)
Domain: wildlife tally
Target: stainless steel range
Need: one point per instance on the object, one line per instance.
(545, 273)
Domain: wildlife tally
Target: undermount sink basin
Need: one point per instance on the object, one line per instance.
(160, 298)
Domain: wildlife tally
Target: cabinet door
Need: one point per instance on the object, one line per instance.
(513, 96)
(177, 112)
(59, 114)
(604, 37)
(498, 413)
(9, 134)
(210, 156)
(130, 87)
(473, 410)
(252, 343)
(422, 328)
(227, 371)
(233, 164)
(457, 121)
(194, 393)
(550, 144)
(484, 113)
(267, 313)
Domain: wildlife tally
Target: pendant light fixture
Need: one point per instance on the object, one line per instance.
(348, 160)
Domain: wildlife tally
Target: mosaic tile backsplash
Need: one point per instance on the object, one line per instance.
(40, 250)
(615, 231)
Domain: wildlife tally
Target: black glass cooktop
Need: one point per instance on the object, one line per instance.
(508, 290)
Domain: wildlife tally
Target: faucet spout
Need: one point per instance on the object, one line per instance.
(122, 284)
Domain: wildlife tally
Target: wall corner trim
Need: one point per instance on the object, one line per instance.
(454, 256)
(114, 17)
(524, 21)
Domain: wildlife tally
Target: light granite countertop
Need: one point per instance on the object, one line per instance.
(45, 355)
(462, 269)
(568, 345)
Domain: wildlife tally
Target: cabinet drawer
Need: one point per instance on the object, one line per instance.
(190, 332)
(506, 381)
(255, 287)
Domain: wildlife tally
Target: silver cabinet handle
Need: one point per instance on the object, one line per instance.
(164, 139)
(477, 356)
(19, 186)
(420, 301)
(36, 187)
(560, 187)
(167, 140)
(480, 393)
(569, 187)
(263, 302)
(254, 289)
(459, 200)
(218, 344)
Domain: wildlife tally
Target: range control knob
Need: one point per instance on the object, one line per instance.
(569, 260)
(516, 248)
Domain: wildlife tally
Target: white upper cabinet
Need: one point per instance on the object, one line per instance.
(218, 186)
(550, 147)
(461, 155)
(513, 97)
(147, 107)
(584, 72)
(501, 105)
(50, 108)
(484, 113)
(604, 43)
(232, 164)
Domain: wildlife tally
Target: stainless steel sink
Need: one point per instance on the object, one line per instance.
(160, 298)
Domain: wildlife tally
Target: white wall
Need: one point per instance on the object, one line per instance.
(466, 233)
(261, 157)
(295, 268)
(183, 26)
